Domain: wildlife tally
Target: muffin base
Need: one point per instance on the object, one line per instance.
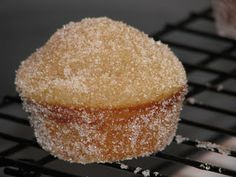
(86, 135)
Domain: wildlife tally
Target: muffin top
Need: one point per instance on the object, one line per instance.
(100, 63)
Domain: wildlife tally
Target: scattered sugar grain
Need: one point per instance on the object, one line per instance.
(179, 139)
(137, 170)
(212, 146)
(156, 173)
(123, 166)
(220, 170)
(205, 166)
(219, 87)
(191, 100)
(146, 173)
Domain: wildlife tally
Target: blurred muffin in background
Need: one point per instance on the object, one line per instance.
(224, 12)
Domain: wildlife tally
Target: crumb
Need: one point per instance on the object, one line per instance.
(146, 173)
(219, 87)
(123, 166)
(137, 169)
(205, 166)
(212, 146)
(179, 139)
(191, 100)
(156, 173)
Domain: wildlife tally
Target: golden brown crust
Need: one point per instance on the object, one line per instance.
(100, 63)
(106, 135)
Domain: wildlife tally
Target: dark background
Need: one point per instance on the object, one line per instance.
(27, 24)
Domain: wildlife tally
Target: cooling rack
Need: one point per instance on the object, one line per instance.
(206, 127)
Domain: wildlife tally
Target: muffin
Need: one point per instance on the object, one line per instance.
(102, 91)
(224, 13)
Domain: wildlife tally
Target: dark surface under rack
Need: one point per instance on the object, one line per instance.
(198, 120)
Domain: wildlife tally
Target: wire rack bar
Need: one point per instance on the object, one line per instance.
(208, 127)
(203, 34)
(213, 88)
(206, 17)
(193, 17)
(209, 70)
(132, 170)
(220, 79)
(19, 120)
(211, 108)
(13, 149)
(201, 50)
(33, 167)
(18, 139)
(6, 100)
(196, 164)
(46, 159)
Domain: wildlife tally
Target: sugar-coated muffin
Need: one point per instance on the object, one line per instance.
(102, 91)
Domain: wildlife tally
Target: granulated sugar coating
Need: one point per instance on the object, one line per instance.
(102, 63)
(102, 91)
